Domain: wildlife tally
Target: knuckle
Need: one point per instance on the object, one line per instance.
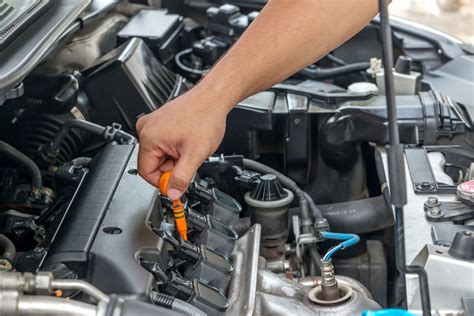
(139, 124)
(180, 180)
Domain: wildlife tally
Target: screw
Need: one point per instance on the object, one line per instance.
(467, 233)
(425, 186)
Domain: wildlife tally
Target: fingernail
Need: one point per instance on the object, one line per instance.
(174, 194)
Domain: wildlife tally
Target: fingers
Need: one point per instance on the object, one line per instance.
(149, 166)
(167, 165)
(183, 173)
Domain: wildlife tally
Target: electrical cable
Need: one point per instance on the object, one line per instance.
(183, 67)
(335, 59)
(175, 304)
(348, 241)
(396, 163)
(305, 198)
(305, 201)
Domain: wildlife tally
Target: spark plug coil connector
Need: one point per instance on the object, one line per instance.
(177, 207)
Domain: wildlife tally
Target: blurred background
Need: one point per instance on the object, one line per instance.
(454, 17)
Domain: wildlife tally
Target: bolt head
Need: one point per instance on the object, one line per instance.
(435, 212)
(432, 200)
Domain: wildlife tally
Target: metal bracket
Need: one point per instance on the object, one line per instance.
(13, 93)
(301, 239)
(447, 211)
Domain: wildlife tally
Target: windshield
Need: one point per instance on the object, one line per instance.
(453, 17)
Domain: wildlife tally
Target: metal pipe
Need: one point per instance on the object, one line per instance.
(75, 123)
(80, 285)
(49, 305)
(354, 284)
(396, 164)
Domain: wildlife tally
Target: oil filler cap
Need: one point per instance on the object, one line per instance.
(465, 192)
(268, 189)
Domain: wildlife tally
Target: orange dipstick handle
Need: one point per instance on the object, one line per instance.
(177, 207)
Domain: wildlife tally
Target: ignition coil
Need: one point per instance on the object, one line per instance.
(215, 203)
(201, 263)
(211, 232)
(198, 294)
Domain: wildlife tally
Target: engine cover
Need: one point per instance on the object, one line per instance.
(107, 225)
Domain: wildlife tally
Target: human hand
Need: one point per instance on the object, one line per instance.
(179, 136)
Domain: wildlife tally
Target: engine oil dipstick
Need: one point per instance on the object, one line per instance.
(177, 207)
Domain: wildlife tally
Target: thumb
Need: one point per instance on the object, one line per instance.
(182, 174)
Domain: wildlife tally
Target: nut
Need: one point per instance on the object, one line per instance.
(43, 283)
(432, 200)
(434, 213)
(431, 203)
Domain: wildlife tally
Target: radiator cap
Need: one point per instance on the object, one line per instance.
(465, 192)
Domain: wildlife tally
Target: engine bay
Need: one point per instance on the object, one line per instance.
(291, 215)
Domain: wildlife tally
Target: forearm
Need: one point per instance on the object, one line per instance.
(286, 36)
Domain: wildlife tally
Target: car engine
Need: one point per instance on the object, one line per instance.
(293, 215)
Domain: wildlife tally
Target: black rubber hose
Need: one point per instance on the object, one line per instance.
(319, 73)
(358, 217)
(176, 305)
(75, 123)
(27, 163)
(304, 199)
(8, 250)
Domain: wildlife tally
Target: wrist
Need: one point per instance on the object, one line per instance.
(217, 93)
